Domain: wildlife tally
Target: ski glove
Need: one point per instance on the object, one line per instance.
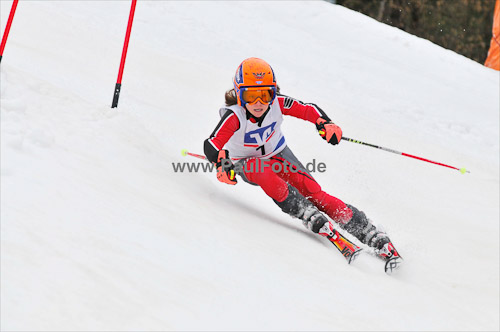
(225, 168)
(329, 131)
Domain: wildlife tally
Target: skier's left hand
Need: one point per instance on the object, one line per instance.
(225, 168)
(329, 131)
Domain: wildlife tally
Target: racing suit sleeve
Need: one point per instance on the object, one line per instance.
(226, 127)
(305, 111)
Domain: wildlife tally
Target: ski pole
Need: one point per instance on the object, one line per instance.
(461, 170)
(185, 152)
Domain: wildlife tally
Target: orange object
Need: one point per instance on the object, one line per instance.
(253, 73)
(251, 95)
(493, 59)
(225, 171)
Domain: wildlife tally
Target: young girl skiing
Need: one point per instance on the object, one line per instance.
(249, 133)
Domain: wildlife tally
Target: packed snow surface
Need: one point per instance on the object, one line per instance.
(98, 232)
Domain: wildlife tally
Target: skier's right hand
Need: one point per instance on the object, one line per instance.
(225, 168)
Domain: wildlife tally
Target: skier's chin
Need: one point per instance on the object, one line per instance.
(258, 112)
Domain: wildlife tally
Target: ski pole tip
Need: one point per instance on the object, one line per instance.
(463, 171)
(184, 152)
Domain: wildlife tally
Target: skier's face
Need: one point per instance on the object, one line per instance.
(257, 109)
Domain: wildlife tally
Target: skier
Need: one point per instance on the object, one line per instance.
(249, 133)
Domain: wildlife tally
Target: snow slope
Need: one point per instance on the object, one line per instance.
(99, 233)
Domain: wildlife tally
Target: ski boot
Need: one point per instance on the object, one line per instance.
(391, 257)
(362, 228)
(299, 207)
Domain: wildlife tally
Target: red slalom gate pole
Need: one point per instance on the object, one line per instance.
(118, 85)
(7, 27)
(462, 170)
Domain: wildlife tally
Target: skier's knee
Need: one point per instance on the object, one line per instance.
(311, 187)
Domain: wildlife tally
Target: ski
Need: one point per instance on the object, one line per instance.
(391, 257)
(393, 264)
(348, 249)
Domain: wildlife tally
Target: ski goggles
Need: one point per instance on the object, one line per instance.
(250, 96)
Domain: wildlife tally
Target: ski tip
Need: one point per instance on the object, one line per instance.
(393, 264)
(353, 256)
(184, 152)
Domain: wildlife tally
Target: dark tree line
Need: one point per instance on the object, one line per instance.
(463, 26)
